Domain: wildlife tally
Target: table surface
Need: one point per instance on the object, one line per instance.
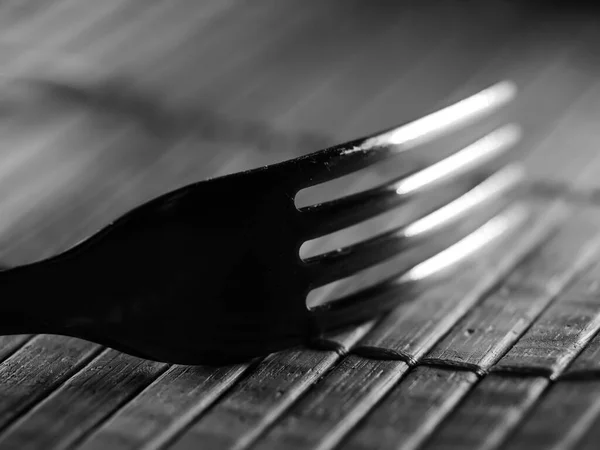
(505, 354)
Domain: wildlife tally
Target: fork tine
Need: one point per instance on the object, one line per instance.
(349, 157)
(483, 200)
(479, 157)
(387, 294)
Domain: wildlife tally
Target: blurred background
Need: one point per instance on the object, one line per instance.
(105, 104)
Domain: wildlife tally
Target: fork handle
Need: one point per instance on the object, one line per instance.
(30, 301)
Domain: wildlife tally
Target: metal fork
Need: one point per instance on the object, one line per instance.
(211, 273)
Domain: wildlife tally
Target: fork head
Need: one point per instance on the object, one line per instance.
(212, 273)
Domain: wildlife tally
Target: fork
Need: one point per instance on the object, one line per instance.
(211, 273)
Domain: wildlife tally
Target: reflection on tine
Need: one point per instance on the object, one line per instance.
(491, 230)
(461, 113)
(488, 147)
(211, 273)
(493, 187)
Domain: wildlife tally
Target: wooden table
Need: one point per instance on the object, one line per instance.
(503, 355)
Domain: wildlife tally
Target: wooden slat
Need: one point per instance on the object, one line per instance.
(489, 413)
(261, 397)
(19, 16)
(406, 416)
(359, 86)
(288, 373)
(226, 81)
(126, 13)
(492, 327)
(464, 48)
(458, 47)
(14, 12)
(338, 402)
(587, 363)
(560, 333)
(257, 400)
(545, 350)
(240, 115)
(424, 90)
(37, 370)
(34, 53)
(261, 144)
(148, 18)
(81, 402)
(208, 41)
(402, 48)
(315, 56)
(49, 24)
(229, 81)
(155, 41)
(32, 227)
(570, 412)
(560, 419)
(174, 400)
(483, 335)
(11, 344)
(590, 438)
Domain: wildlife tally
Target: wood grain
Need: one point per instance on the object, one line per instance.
(38, 369)
(410, 412)
(257, 400)
(493, 326)
(561, 418)
(477, 341)
(334, 405)
(589, 438)
(543, 353)
(243, 412)
(587, 363)
(561, 332)
(81, 402)
(11, 344)
(174, 400)
(489, 413)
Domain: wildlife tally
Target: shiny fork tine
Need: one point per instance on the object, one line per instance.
(387, 294)
(350, 157)
(446, 232)
(435, 229)
(480, 157)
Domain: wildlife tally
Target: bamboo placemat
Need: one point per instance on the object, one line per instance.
(503, 355)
